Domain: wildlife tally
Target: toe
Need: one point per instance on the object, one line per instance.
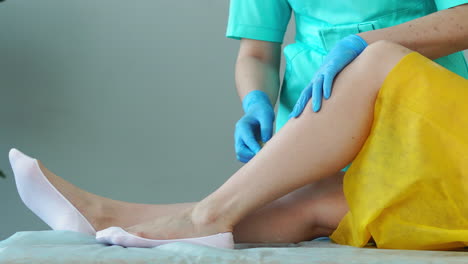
(15, 155)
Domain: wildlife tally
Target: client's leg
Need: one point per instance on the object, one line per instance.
(294, 217)
(307, 149)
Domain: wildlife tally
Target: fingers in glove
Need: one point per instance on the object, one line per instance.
(317, 93)
(244, 154)
(266, 126)
(302, 101)
(251, 142)
(327, 84)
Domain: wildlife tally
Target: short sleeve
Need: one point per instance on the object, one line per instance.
(265, 20)
(444, 4)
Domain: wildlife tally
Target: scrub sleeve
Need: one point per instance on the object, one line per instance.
(407, 187)
(265, 20)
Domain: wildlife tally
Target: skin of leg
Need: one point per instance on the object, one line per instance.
(305, 150)
(294, 217)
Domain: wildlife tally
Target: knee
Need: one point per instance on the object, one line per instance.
(383, 52)
(383, 47)
(380, 57)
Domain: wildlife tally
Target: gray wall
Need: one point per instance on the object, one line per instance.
(130, 100)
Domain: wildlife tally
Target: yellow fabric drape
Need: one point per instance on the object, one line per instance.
(408, 186)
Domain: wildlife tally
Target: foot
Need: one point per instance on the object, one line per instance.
(64, 206)
(57, 202)
(181, 226)
(97, 210)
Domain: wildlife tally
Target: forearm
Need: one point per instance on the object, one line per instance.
(257, 70)
(434, 36)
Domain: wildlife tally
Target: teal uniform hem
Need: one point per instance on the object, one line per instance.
(238, 31)
(346, 168)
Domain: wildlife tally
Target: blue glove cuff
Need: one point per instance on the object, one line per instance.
(355, 43)
(255, 96)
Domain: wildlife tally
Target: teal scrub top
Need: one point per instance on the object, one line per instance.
(319, 25)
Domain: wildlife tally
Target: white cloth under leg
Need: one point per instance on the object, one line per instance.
(41, 197)
(118, 236)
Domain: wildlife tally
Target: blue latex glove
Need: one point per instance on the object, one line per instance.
(256, 124)
(344, 52)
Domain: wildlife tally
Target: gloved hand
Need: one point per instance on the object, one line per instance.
(256, 124)
(344, 52)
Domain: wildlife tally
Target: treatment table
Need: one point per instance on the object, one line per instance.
(70, 247)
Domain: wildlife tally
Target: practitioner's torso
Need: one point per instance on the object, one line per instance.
(321, 23)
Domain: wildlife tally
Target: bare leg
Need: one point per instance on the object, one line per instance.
(311, 211)
(306, 150)
(103, 212)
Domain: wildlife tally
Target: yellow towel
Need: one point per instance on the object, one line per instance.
(408, 186)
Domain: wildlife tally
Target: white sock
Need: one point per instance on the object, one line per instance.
(118, 236)
(41, 197)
